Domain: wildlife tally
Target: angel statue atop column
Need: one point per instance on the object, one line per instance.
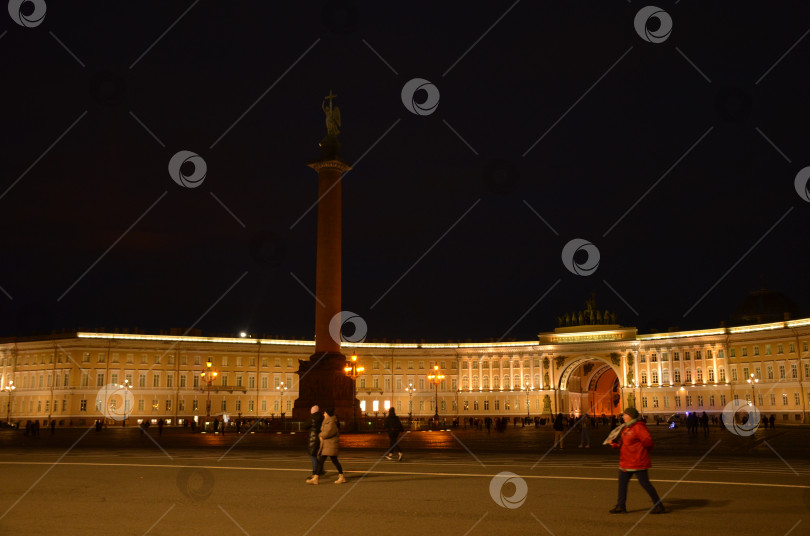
(332, 116)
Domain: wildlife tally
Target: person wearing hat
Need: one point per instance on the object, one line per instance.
(634, 442)
(314, 426)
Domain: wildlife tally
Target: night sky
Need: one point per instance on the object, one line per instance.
(700, 137)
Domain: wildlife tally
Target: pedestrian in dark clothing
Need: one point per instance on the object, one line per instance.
(216, 425)
(704, 422)
(53, 427)
(558, 431)
(161, 422)
(773, 421)
(330, 444)
(314, 443)
(394, 427)
(634, 442)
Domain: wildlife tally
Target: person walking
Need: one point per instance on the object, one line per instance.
(314, 443)
(704, 423)
(558, 431)
(330, 444)
(394, 427)
(584, 434)
(634, 442)
(161, 422)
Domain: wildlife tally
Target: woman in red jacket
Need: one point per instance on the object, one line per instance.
(634, 458)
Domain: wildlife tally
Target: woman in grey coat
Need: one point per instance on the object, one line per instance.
(330, 445)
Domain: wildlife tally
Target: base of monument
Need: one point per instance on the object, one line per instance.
(323, 383)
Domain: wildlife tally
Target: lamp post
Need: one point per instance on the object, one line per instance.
(281, 388)
(410, 390)
(436, 379)
(10, 390)
(528, 388)
(208, 375)
(126, 386)
(353, 370)
(752, 381)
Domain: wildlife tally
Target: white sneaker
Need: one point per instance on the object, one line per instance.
(399, 457)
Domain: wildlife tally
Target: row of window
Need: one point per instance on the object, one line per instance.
(688, 400)
(782, 370)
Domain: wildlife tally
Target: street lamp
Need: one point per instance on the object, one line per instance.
(353, 370)
(125, 386)
(10, 390)
(436, 379)
(528, 389)
(410, 390)
(752, 381)
(208, 375)
(281, 388)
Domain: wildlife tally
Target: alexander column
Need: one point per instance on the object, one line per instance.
(322, 380)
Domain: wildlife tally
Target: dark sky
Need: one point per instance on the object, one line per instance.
(723, 99)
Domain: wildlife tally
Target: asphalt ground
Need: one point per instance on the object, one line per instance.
(117, 481)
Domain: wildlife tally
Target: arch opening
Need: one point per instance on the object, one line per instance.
(590, 385)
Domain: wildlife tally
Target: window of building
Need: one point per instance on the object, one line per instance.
(238, 406)
(239, 380)
(156, 380)
(224, 380)
(83, 405)
(655, 376)
(642, 359)
(676, 356)
(277, 362)
(784, 400)
(655, 401)
(794, 371)
(711, 401)
(732, 352)
(781, 372)
(796, 399)
(688, 401)
(744, 351)
(643, 401)
(196, 381)
(653, 358)
(773, 399)
(700, 375)
(169, 380)
(677, 374)
(686, 356)
(711, 374)
(643, 376)
(779, 349)
(697, 354)
(100, 379)
(677, 401)
(756, 350)
(708, 354)
(722, 374)
(723, 400)
(688, 375)
(168, 405)
(182, 380)
(223, 405)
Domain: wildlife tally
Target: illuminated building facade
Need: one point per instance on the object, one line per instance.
(599, 368)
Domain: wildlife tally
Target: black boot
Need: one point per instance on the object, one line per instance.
(618, 510)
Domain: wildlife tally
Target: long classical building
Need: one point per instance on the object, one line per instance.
(595, 366)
